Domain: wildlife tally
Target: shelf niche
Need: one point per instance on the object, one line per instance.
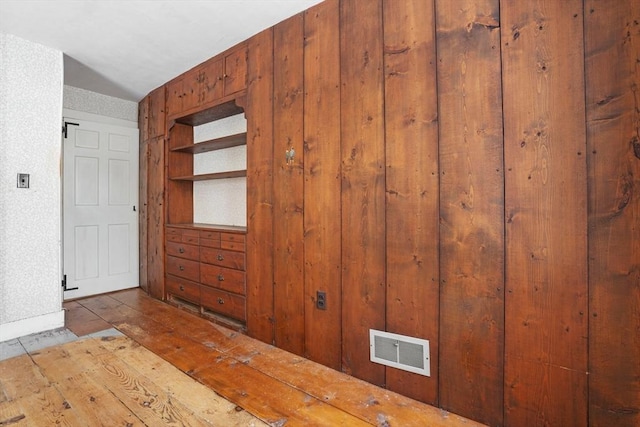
(181, 159)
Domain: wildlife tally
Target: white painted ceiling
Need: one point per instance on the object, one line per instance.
(126, 48)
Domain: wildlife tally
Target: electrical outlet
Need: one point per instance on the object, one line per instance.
(23, 180)
(321, 300)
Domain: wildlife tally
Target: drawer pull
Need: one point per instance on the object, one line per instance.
(181, 288)
(220, 257)
(220, 301)
(181, 268)
(181, 250)
(220, 278)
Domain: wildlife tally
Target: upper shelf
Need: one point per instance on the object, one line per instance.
(214, 144)
(207, 176)
(225, 107)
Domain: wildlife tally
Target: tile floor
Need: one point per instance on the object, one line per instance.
(39, 341)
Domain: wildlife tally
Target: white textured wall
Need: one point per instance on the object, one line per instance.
(91, 102)
(31, 77)
(220, 201)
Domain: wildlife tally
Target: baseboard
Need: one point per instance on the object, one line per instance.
(31, 325)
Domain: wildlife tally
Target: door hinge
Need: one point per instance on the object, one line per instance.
(64, 284)
(64, 128)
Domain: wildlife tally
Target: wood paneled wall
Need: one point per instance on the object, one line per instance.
(466, 172)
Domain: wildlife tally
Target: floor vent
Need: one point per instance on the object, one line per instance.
(399, 351)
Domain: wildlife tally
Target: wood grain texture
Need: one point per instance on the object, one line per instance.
(260, 237)
(143, 213)
(276, 385)
(471, 209)
(363, 184)
(411, 149)
(156, 112)
(288, 184)
(612, 36)
(322, 250)
(156, 204)
(179, 193)
(546, 215)
(110, 381)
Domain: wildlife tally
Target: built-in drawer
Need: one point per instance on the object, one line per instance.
(185, 268)
(222, 302)
(222, 258)
(182, 250)
(210, 239)
(232, 241)
(184, 235)
(183, 289)
(223, 278)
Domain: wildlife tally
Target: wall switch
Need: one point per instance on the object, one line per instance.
(23, 180)
(321, 300)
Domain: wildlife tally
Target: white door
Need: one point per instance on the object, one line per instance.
(100, 218)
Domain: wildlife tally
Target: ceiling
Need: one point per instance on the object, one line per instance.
(126, 48)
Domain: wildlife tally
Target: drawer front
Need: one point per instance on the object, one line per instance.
(223, 278)
(222, 258)
(190, 236)
(213, 235)
(210, 243)
(232, 237)
(232, 241)
(183, 289)
(210, 239)
(183, 235)
(232, 246)
(223, 302)
(185, 268)
(173, 237)
(181, 250)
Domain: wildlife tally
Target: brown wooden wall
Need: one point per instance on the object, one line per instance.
(466, 172)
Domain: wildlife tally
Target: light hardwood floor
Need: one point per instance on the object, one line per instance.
(257, 380)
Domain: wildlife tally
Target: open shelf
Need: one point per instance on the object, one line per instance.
(214, 144)
(225, 107)
(208, 176)
(216, 227)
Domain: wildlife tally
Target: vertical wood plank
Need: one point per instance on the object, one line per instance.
(143, 176)
(363, 175)
(545, 209)
(143, 118)
(411, 129)
(288, 184)
(612, 37)
(260, 187)
(156, 112)
(471, 209)
(156, 217)
(322, 183)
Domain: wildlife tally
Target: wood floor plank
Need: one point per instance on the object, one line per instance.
(48, 407)
(346, 393)
(81, 321)
(146, 400)
(72, 369)
(209, 406)
(94, 403)
(200, 329)
(270, 399)
(20, 377)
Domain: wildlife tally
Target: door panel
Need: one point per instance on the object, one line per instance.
(100, 218)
